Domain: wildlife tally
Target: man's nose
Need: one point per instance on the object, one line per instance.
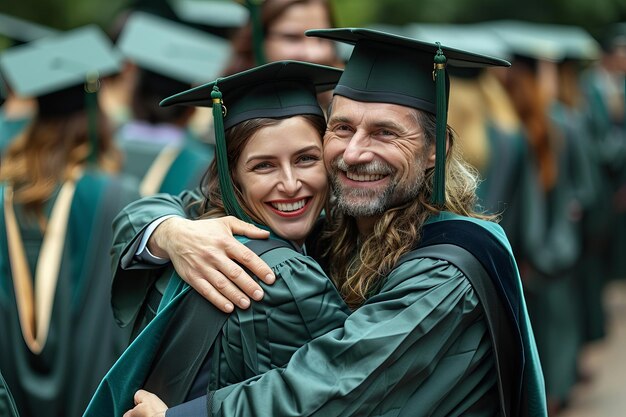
(358, 150)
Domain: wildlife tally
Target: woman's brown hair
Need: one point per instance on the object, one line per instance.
(48, 152)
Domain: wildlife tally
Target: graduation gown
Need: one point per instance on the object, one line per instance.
(301, 305)
(604, 91)
(83, 339)
(10, 128)
(7, 404)
(184, 159)
(419, 347)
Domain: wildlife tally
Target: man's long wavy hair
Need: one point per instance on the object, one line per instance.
(237, 137)
(358, 266)
(47, 153)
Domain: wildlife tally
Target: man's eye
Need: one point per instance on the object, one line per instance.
(385, 132)
(343, 128)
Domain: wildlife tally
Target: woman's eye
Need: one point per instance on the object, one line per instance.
(308, 158)
(261, 166)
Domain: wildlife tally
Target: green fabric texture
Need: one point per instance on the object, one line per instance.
(407, 351)
(84, 340)
(301, 305)
(132, 280)
(7, 405)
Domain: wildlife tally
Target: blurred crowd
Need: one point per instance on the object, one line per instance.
(82, 135)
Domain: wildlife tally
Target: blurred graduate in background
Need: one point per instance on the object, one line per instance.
(552, 245)
(163, 58)
(16, 111)
(59, 194)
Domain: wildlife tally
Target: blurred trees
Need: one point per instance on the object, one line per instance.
(590, 14)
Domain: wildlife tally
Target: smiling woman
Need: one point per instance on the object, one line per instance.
(284, 182)
(269, 169)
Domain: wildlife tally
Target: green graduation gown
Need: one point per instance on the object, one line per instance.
(604, 91)
(7, 405)
(10, 128)
(83, 340)
(420, 347)
(141, 147)
(301, 305)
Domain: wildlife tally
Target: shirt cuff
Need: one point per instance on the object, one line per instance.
(143, 254)
(193, 408)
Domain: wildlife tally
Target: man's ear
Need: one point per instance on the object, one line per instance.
(432, 154)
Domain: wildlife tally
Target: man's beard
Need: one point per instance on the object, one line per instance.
(363, 202)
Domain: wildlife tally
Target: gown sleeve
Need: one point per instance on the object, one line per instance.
(420, 344)
(301, 305)
(132, 279)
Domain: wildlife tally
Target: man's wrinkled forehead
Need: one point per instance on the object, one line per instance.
(346, 110)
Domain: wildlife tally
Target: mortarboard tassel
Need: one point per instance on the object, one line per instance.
(92, 85)
(439, 182)
(254, 6)
(226, 186)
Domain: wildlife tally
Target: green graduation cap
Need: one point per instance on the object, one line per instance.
(545, 41)
(467, 37)
(58, 62)
(387, 68)
(213, 13)
(20, 31)
(62, 72)
(172, 49)
(275, 90)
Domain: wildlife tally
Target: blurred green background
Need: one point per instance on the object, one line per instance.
(593, 15)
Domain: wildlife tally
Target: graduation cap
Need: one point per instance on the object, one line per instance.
(20, 31)
(62, 71)
(213, 13)
(387, 68)
(545, 41)
(172, 49)
(467, 37)
(275, 90)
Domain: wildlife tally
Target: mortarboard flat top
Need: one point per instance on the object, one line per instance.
(277, 89)
(58, 62)
(395, 69)
(214, 13)
(545, 41)
(21, 30)
(172, 49)
(466, 37)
